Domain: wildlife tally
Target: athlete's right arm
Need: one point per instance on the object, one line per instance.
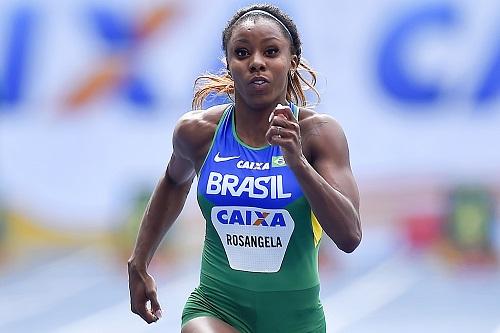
(163, 208)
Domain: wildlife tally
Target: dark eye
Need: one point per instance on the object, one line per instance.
(272, 51)
(241, 52)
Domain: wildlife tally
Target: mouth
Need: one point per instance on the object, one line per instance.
(259, 81)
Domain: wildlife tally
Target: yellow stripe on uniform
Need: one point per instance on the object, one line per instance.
(317, 230)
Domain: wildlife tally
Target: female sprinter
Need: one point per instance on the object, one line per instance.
(272, 175)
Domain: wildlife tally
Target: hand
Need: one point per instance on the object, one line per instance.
(284, 131)
(142, 289)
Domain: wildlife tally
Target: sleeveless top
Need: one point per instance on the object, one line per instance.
(260, 233)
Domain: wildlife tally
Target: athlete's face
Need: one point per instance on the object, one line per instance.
(259, 58)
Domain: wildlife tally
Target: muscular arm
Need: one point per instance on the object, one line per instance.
(326, 179)
(329, 185)
(163, 208)
(168, 197)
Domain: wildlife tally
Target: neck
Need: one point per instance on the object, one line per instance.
(252, 121)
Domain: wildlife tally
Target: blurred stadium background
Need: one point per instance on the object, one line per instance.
(90, 92)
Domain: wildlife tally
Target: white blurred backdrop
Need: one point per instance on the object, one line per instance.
(89, 95)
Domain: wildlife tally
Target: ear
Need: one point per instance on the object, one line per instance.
(226, 64)
(294, 62)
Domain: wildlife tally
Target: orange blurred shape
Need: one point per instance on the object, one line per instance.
(154, 20)
(101, 80)
(113, 69)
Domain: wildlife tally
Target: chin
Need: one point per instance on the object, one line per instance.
(263, 100)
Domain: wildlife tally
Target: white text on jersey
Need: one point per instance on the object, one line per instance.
(252, 165)
(256, 187)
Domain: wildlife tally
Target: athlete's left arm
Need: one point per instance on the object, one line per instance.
(326, 179)
(329, 184)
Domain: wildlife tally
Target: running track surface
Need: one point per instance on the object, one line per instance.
(381, 287)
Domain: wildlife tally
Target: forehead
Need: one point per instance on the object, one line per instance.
(257, 28)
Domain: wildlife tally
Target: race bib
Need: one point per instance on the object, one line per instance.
(255, 239)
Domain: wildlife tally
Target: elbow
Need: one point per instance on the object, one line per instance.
(350, 243)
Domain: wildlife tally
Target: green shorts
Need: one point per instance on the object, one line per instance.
(257, 312)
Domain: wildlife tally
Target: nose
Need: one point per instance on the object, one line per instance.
(257, 63)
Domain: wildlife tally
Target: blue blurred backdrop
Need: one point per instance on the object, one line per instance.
(90, 92)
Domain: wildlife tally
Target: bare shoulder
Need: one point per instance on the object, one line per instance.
(195, 130)
(321, 134)
(313, 124)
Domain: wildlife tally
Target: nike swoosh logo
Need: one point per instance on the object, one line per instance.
(217, 158)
